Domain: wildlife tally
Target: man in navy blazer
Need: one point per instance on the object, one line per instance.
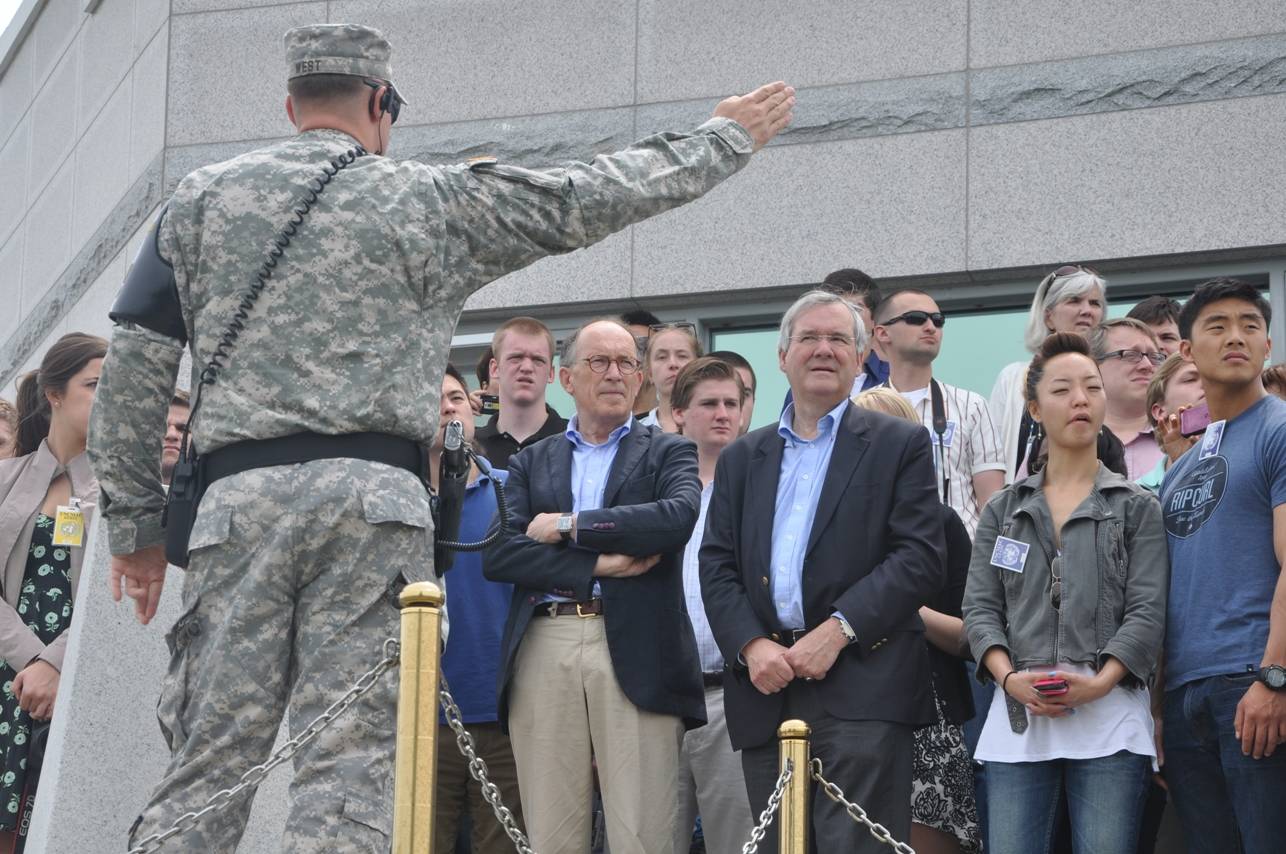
(599, 659)
(822, 541)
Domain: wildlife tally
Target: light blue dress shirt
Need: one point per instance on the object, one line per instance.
(707, 649)
(591, 465)
(799, 487)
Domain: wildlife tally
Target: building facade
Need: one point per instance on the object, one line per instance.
(961, 147)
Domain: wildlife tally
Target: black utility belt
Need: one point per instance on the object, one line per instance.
(298, 448)
(192, 476)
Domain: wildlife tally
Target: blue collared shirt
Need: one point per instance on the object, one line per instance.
(591, 465)
(707, 649)
(799, 487)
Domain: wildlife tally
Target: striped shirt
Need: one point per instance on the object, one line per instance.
(972, 445)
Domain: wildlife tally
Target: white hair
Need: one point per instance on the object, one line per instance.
(811, 300)
(1052, 291)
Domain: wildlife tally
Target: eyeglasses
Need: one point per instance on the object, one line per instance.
(1073, 269)
(1056, 586)
(917, 318)
(624, 364)
(812, 339)
(1133, 357)
(689, 328)
(395, 102)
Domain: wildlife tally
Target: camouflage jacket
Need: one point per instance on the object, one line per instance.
(354, 329)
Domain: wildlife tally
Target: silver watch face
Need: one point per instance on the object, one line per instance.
(1275, 677)
(564, 524)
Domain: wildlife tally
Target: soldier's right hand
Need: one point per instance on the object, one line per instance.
(623, 566)
(143, 575)
(764, 112)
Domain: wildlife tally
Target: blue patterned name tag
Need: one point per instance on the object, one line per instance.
(1009, 554)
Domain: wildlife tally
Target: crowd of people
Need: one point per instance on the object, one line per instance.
(1013, 625)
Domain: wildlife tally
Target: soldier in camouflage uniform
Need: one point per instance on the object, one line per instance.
(292, 565)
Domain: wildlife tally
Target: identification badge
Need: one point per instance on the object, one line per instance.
(69, 525)
(1009, 554)
(1210, 442)
(948, 435)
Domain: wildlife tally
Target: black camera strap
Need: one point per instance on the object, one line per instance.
(940, 427)
(187, 482)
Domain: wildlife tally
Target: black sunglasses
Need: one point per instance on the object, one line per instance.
(917, 318)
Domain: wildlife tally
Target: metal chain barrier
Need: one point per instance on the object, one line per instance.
(855, 812)
(766, 817)
(252, 778)
(478, 771)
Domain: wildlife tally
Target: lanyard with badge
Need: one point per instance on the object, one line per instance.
(69, 524)
(1212, 440)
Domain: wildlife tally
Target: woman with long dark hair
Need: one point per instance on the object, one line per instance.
(47, 496)
(1065, 610)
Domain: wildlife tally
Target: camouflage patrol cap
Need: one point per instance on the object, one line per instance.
(350, 49)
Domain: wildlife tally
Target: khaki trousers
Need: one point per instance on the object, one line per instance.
(566, 710)
(712, 784)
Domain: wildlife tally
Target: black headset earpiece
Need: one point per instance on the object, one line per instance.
(386, 100)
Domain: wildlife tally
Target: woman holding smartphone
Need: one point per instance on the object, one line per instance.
(1064, 609)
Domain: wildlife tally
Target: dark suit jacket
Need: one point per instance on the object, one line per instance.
(875, 554)
(650, 505)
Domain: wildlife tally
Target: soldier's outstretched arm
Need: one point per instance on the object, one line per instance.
(505, 217)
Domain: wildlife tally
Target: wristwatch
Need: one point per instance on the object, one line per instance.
(565, 527)
(1274, 676)
(849, 634)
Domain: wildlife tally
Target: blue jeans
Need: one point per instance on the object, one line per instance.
(1104, 799)
(1220, 793)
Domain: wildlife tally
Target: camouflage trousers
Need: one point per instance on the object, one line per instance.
(294, 572)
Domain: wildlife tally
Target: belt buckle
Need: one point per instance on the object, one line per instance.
(581, 613)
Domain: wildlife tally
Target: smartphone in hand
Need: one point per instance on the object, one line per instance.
(1051, 687)
(1195, 420)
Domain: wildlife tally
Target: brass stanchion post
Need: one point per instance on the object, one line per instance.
(793, 822)
(417, 718)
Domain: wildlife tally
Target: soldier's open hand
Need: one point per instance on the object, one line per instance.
(764, 112)
(141, 575)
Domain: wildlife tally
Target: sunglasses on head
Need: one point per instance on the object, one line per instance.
(1073, 269)
(917, 318)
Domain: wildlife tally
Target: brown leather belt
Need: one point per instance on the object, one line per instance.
(592, 608)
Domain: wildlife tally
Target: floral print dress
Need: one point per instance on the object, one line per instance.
(45, 606)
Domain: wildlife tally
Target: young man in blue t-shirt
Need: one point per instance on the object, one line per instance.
(477, 609)
(1224, 504)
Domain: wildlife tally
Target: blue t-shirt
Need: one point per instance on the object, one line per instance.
(1218, 514)
(477, 609)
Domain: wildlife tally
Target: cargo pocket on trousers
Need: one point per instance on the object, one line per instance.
(211, 528)
(365, 825)
(172, 703)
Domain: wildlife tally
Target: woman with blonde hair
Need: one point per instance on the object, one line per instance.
(944, 812)
(47, 496)
(669, 348)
